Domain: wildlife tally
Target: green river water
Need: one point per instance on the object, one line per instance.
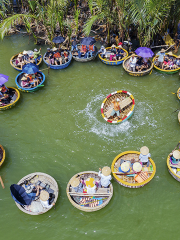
(59, 130)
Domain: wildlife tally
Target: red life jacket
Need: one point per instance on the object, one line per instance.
(91, 47)
(3, 89)
(83, 48)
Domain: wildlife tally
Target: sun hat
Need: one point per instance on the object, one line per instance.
(125, 166)
(44, 195)
(117, 100)
(113, 45)
(133, 55)
(23, 78)
(106, 171)
(162, 50)
(119, 46)
(48, 49)
(54, 49)
(170, 53)
(20, 55)
(144, 150)
(137, 167)
(29, 188)
(25, 52)
(35, 50)
(178, 56)
(74, 182)
(176, 154)
(90, 182)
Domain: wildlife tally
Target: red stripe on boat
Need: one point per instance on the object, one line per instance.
(108, 95)
(124, 118)
(133, 101)
(101, 110)
(109, 121)
(124, 91)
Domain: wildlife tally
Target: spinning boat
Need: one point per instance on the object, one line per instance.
(163, 70)
(18, 82)
(89, 202)
(15, 97)
(107, 59)
(49, 185)
(2, 155)
(174, 168)
(137, 74)
(13, 62)
(132, 178)
(75, 57)
(127, 104)
(62, 66)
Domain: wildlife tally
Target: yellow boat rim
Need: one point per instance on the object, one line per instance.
(177, 177)
(178, 93)
(10, 105)
(3, 157)
(115, 62)
(127, 184)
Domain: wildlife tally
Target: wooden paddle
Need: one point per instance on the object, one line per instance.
(2, 182)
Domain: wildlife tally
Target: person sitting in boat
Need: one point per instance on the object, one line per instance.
(26, 57)
(49, 55)
(144, 156)
(57, 58)
(161, 56)
(105, 176)
(46, 199)
(175, 157)
(91, 50)
(119, 52)
(90, 185)
(4, 89)
(116, 109)
(102, 51)
(19, 61)
(77, 184)
(169, 65)
(139, 63)
(32, 190)
(113, 53)
(83, 51)
(132, 63)
(37, 55)
(66, 56)
(4, 95)
(145, 64)
(177, 62)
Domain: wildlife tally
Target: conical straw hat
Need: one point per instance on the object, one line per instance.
(74, 182)
(106, 171)
(176, 154)
(125, 166)
(170, 53)
(44, 195)
(144, 150)
(113, 45)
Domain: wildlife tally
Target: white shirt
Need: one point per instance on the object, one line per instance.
(91, 190)
(144, 158)
(133, 62)
(105, 180)
(45, 204)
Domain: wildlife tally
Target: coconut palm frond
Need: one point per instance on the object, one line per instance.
(90, 22)
(6, 25)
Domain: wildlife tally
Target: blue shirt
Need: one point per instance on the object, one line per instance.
(144, 158)
(161, 56)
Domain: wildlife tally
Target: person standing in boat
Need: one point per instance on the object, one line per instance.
(37, 55)
(105, 177)
(132, 63)
(144, 156)
(161, 55)
(175, 157)
(116, 108)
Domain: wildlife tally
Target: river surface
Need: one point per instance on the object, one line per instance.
(59, 130)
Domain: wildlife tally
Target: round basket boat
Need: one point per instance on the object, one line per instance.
(132, 179)
(179, 116)
(15, 95)
(2, 155)
(173, 169)
(33, 89)
(165, 71)
(89, 202)
(13, 62)
(137, 74)
(127, 104)
(178, 93)
(62, 66)
(75, 57)
(108, 53)
(43, 180)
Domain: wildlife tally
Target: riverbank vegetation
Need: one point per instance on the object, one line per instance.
(107, 19)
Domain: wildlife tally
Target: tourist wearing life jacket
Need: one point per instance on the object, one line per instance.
(83, 51)
(91, 50)
(4, 89)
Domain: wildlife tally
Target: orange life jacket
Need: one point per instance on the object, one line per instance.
(30, 78)
(91, 47)
(83, 48)
(3, 89)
